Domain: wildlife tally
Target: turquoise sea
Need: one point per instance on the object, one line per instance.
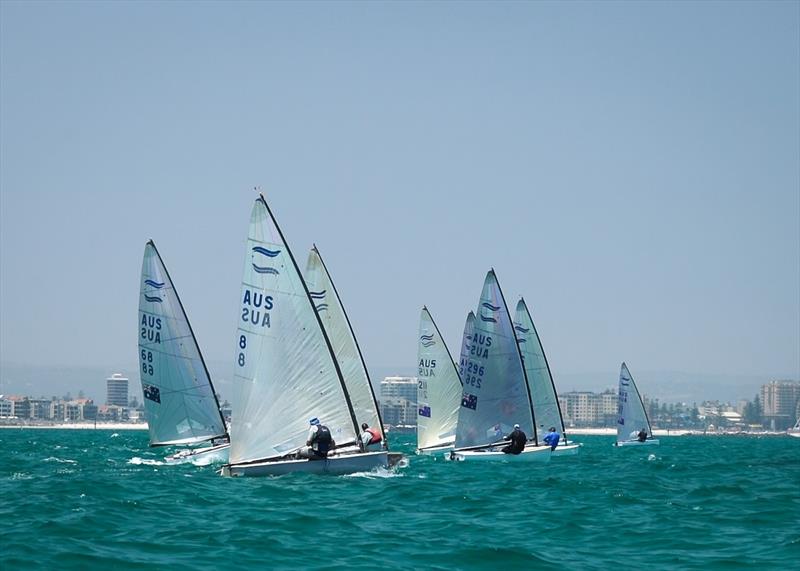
(81, 499)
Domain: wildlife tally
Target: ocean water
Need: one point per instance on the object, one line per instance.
(104, 500)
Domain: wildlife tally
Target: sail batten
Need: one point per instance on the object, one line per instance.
(495, 391)
(179, 399)
(438, 388)
(285, 371)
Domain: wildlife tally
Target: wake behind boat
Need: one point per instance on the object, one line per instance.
(633, 426)
(286, 370)
(496, 395)
(179, 399)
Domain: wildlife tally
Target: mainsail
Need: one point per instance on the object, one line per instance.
(334, 319)
(631, 413)
(466, 342)
(540, 380)
(285, 372)
(495, 395)
(179, 399)
(438, 389)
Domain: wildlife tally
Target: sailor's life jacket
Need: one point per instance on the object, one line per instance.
(321, 442)
(376, 435)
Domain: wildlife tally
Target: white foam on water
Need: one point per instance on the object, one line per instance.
(651, 457)
(60, 460)
(145, 461)
(373, 474)
(114, 435)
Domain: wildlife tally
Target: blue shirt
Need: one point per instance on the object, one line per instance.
(552, 439)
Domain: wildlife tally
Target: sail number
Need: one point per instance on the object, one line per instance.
(147, 362)
(474, 375)
(242, 346)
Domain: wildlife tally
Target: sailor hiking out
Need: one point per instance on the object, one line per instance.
(320, 441)
(518, 440)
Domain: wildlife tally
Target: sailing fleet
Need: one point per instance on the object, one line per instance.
(299, 367)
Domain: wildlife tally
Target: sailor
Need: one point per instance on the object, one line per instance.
(320, 441)
(642, 436)
(552, 438)
(518, 440)
(369, 435)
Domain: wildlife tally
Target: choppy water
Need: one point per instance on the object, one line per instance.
(104, 500)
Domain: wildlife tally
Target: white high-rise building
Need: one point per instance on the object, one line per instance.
(117, 390)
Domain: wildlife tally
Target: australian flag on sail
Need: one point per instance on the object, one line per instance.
(152, 393)
(425, 411)
(469, 401)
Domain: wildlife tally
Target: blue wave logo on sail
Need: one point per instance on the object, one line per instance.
(153, 298)
(265, 270)
(522, 329)
(492, 319)
(427, 340)
(266, 252)
(317, 294)
(490, 307)
(155, 284)
(321, 307)
(521, 340)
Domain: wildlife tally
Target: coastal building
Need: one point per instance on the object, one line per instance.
(584, 408)
(779, 402)
(6, 408)
(117, 390)
(399, 402)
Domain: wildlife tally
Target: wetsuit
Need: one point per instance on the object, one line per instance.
(518, 440)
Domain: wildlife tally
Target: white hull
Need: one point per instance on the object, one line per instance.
(794, 432)
(529, 454)
(339, 464)
(207, 455)
(433, 450)
(569, 449)
(648, 442)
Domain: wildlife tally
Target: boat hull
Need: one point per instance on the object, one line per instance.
(793, 432)
(340, 464)
(529, 454)
(434, 450)
(648, 442)
(569, 449)
(207, 455)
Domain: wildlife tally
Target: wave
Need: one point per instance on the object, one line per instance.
(522, 329)
(426, 337)
(266, 252)
(59, 460)
(489, 306)
(321, 307)
(265, 270)
(153, 298)
(428, 343)
(317, 294)
(492, 319)
(155, 284)
(136, 461)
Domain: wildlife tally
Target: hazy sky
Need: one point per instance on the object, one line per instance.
(632, 168)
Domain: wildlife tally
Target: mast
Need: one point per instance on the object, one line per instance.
(353, 335)
(549, 373)
(194, 339)
(316, 315)
(521, 362)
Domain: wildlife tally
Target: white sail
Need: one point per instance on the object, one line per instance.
(540, 380)
(285, 372)
(466, 342)
(495, 394)
(438, 389)
(343, 341)
(631, 414)
(179, 399)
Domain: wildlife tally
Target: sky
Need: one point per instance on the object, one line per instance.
(631, 168)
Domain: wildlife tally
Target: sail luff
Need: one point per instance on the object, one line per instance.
(342, 384)
(194, 338)
(354, 340)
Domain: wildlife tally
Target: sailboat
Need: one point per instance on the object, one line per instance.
(496, 395)
(286, 371)
(179, 399)
(438, 390)
(632, 415)
(540, 380)
(795, 430)
(328, 305)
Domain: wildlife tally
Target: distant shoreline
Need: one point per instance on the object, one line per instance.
(83, 426)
